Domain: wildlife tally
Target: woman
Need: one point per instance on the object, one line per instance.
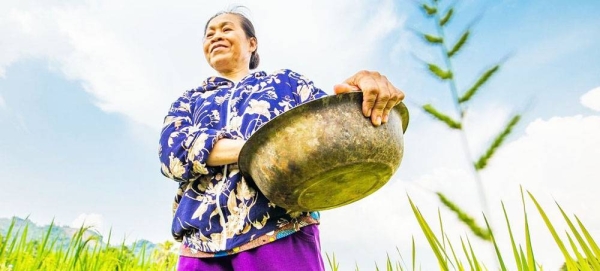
(224, 222)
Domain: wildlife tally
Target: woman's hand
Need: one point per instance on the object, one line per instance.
(379, 95)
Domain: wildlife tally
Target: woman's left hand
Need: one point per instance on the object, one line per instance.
(379, 95)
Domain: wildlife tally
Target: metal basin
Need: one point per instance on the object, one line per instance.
(324, 154)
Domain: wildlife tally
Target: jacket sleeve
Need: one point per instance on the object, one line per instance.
(184, 146)
(303, 88)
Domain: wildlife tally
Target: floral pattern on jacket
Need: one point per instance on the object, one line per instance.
(216, 210)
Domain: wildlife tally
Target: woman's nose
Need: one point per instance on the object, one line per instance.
(216, 37)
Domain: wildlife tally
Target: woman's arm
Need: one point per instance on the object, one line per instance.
(184, 147)
(226, 151)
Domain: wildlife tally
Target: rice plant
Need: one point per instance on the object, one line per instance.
(441, 16)
(580, 251)
(83, 251)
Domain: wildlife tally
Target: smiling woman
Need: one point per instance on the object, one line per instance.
(223, 220)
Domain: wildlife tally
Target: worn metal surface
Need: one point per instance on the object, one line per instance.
(324, 154)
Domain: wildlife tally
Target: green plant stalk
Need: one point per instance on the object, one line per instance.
(460, 110)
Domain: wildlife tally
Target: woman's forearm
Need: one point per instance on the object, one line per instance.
(226, 151)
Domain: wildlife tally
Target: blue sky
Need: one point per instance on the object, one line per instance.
(84, 87)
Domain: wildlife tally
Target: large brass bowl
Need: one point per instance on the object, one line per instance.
(324, 154)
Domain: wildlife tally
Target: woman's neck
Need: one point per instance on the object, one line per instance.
(235, 75)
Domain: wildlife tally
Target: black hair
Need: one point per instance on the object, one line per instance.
(248, 28)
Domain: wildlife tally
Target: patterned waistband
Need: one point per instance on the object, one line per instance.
(271, 236)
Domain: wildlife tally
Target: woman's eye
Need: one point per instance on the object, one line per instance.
(209, 35)
(226, 29)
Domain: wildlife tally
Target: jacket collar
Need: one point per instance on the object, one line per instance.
(214, 82)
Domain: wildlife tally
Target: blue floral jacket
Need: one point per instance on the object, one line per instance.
(216, 211)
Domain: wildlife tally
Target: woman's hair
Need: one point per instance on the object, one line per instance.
(248, 28)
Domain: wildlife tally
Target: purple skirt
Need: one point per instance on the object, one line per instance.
(299, 251)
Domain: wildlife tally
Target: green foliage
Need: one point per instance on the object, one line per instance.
(479, 231)
(441, 74)
(432, 38)
(81, 252)
(459, 44)
(333, 264)
(482, 79)
(483, 160)
(442, 117)
(496, 249)
(434, 243)
(446, 17)
(585, 249)
(430, 11)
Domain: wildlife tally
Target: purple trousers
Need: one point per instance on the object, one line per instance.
(299, 251)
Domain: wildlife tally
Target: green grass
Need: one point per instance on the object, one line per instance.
(83, 252)
(579, 249)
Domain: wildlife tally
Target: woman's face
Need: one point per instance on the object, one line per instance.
(226, 46)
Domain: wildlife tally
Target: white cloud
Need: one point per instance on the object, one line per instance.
(2, 103)
(95, 221)
(136, 61)
(591, 99)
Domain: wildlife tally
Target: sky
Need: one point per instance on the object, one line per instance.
(84, 86)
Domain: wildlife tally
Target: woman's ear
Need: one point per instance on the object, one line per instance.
(253, 44)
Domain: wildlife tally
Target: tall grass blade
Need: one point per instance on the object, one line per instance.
(333, 263)
(474, 257)
(8, 234)
(465, 218)
(512, 240)
(430, 236)
(442, 229)
(570, 263)
(523, 258)
(414, 254)
(482, 80)
(458, 262)
(582, 263)
(530, 257)
(459, 44)
(589, 239)
(467, 254)
(483, 160)
(42, 249)
(498, 254)
(592, 259)
(437, 71)
(442, 117)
